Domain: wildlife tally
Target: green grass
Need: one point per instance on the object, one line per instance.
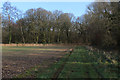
(30, 48)
(86, 64)
(49, 72)
(82, 63)
(43, 72)
(19, 48)
(45, 68)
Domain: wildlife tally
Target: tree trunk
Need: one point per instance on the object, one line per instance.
(58, 39)
(53, 36)
(22, 36)
(10, 37)
(44, 37)
(37, 39)
(67, 36)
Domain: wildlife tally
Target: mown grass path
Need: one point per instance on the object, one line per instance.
(84, 63)
(58, 71)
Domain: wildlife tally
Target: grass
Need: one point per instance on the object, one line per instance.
(82, 63)
(87, 64)
(47, 72)
(31, 58)
(30, 48)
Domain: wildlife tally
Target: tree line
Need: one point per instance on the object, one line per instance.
(99, 26)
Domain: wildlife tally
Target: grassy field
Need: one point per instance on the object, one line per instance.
(22, 60)
(81, 63)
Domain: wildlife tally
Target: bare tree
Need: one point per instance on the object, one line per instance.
(10, 13)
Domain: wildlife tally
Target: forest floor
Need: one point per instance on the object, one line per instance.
(58, 62)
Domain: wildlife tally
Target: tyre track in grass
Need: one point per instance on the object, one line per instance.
(59, 70)
(93, 65)
(99, 74)
(97, 71)
(87, 72)
(87, 67)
